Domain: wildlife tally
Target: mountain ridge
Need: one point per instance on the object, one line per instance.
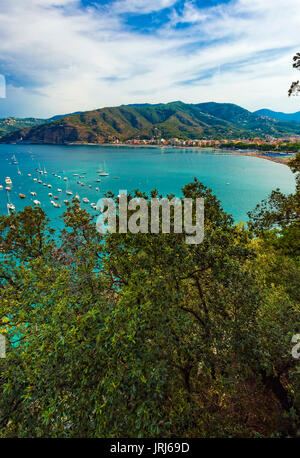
(169, 120)
(279, 115)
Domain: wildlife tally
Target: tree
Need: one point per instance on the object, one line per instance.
(128, 335)
(295, 86)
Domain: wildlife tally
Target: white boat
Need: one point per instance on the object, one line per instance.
(97, 189)
(59, 190)
(45, 171)
(1, 187)
(40, 181)
(33, 193)
(85, 200)
(68, 191)
(29, 174)
(77, 197)
(35, 179)
(50, 194)
(10, 207)
(55, 204)
(90, 185)
(102, 173)
(8, 188)
(65, 178)
(49, 185)
(66, 202)
(14, 159)
(37, 202)
(44, 184)
(8, 180)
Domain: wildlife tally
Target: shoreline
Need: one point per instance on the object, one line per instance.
(253, 153)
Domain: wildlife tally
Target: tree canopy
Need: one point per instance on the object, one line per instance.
(295, 86)
(142, 335)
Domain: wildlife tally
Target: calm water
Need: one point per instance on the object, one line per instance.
(240, 182)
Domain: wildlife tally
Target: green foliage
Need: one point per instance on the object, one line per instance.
(170, 120)
(137, 335)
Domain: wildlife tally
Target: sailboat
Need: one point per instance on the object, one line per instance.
(19, 172)
(10, 206)
(45, 171)
(102, 173)
(14, 159)
(68, 191)
(8, 181)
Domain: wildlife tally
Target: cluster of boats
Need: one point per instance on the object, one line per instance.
(54, 199)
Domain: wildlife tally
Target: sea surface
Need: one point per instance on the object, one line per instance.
(240, 182)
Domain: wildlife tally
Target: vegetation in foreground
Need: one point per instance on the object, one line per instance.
(143, 335)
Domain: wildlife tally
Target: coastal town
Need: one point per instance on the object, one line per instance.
(279, 150)
(268, 142)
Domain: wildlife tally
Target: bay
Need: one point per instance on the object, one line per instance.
(240, 182)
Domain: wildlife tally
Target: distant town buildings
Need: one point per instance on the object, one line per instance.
(204, 142)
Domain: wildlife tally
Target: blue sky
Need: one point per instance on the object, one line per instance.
(60, 56)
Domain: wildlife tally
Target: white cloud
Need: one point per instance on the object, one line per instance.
(141, 6)
(59, 57)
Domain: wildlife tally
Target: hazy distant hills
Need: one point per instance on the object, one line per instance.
(278, 115)
(8, 125)
(175, 119)
(11, 124)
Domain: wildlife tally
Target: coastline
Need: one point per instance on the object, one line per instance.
(253, 153)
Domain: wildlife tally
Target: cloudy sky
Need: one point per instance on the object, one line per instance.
(60, 56)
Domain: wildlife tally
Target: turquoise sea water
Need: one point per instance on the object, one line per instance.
(240, 182)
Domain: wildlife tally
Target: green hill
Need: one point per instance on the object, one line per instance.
(278, 115)
(11, 124)
(175, 119)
